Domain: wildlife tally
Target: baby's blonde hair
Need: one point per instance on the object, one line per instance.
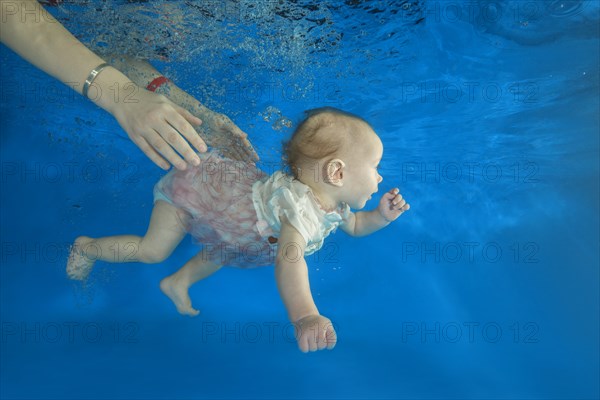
(324, 133)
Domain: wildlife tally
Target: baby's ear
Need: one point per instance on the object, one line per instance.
(333, 172)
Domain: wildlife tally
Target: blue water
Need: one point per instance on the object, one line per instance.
(487, 288)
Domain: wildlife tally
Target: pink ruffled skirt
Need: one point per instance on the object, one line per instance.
(217, 195)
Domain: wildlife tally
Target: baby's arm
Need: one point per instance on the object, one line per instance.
(363, 223)
(313, 331)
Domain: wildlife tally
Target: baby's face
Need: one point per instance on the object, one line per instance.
(362, 177)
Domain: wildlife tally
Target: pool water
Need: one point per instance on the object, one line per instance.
(487, 288)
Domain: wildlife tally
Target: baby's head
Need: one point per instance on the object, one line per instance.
(336, 154)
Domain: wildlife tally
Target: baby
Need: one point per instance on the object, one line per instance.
(245, 218)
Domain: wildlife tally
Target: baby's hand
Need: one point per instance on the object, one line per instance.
(315, 332)
(392, 205)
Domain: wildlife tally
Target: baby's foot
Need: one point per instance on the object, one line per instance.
(179, 296)
(79, 266)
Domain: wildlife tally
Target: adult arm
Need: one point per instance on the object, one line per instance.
(156, 125)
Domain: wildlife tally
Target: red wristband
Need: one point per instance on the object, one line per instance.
(156, 83)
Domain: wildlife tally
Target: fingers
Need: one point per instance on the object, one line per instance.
(239, 144)
(244, 150)
(229, 147)
(191, 118)
(162, 141)
(322, 338)
(245, 147)
(303, 344)
(316, 339)
(235, 150)
(251, 152)
(234, 142)
(325, 338)
(151, 153)
(307, 338)
(392, 204)
(190, 134)
(396, 200)
(162, 130)
(316, 336)
(390, 194)
(163, 147)
(330, 337)
(176, 129)
(312, 343)
(170, 132)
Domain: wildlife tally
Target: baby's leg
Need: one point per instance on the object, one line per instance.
(176, 286)
(166, 230)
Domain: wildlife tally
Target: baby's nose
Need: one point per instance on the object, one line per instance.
(379, 179)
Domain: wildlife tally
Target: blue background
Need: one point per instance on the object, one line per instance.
(487, 288)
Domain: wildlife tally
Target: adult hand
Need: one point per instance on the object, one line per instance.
(223, 134)
(161, 129)
(217, 129)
